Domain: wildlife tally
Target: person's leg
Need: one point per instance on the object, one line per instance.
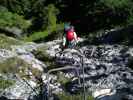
(71, 44)
(64, 41)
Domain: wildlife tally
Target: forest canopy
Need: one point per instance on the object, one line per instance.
(47, 17)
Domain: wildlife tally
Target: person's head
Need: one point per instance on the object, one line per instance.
(72, 28)
(67, 26)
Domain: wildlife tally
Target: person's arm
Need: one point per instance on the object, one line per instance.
(75, 36)
(64, 40)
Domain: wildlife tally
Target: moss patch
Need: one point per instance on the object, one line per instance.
(6, 42)
(65, 96)
(6, 83)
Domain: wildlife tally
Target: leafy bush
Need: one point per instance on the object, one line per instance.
(119, 6)
(51, 26)
(116, 3)
(36, 36)
(130, 19)
(9, 19)
(52, 11)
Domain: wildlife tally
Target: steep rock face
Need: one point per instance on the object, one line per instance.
(107, 68)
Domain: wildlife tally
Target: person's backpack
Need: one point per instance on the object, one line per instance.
(70, 35)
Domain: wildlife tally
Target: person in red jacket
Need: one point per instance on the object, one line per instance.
(70, 37)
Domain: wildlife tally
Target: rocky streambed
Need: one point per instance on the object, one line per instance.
(106, 67)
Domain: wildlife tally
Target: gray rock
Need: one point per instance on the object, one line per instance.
(20, 90)
(107, 68)
(5, 54)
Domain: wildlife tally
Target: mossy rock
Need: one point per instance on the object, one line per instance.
(18, 66)
(43, 56)
(12, 65)
(40, 53)
(6, 42)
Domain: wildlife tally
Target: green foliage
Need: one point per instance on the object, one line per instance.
(94, 15)
(6, 42)
(33, 10)
(36, 36)
(9, 19)
(19, 6)
(5, 83)
(119, 6)
(116, 3)
(42, 16)
(130, 18)
(51, 26)
(54, 31)
(52, 12)
(65, 96)
(10, 4)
